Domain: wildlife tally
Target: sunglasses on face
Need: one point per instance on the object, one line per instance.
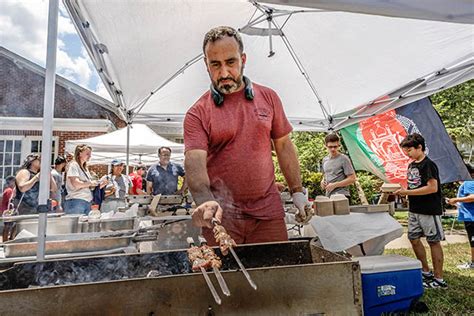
(332, 147)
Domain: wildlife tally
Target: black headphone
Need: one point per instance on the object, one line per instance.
(219, 97)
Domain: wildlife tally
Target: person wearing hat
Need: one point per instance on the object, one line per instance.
(117, 189)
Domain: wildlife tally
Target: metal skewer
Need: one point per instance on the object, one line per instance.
(244, 271)
(218, 300)
(241, 266)
(217, 272)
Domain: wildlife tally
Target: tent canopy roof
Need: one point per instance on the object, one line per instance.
(143, 141)
(328, 66)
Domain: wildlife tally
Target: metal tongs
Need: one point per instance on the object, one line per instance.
(190, 241)
(239, 263)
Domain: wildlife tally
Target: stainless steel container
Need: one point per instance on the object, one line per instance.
(115, 224)
(110, 224)
(140, 199)
(293, 278)
(67, 224)
(72, 243)
(90, 226)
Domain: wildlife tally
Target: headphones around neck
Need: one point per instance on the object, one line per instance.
(218, 97)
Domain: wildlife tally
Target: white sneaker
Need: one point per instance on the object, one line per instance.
(467, 265)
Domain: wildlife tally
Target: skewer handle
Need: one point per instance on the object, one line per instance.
(202, 240)
(190, 241)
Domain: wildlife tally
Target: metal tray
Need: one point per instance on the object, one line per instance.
(140, 199)
(55, 226)
(68, 243)
(171, 199)
(110, 224)
(369, 208)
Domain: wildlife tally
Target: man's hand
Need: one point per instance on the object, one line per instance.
(305, 211)
(204, 213)
(401, 192)
(330, 187)
(323, 184)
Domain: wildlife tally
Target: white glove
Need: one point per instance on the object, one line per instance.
(305, 211)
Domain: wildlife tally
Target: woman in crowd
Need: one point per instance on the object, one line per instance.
(117, 189)
(27, 185)
(79, 182)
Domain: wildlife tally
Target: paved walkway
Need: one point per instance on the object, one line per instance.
(403, 241)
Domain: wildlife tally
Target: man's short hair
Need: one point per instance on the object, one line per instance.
(161, 149)
(331, 138)
(59, 160)
(220, 32)
(140, 167)
(413, 140)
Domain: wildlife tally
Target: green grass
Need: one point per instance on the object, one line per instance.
(458, 299)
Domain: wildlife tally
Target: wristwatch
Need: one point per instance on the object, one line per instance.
(296, 189)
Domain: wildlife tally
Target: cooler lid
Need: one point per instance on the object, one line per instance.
(386, 263)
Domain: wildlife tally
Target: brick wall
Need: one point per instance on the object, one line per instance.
(22, 93)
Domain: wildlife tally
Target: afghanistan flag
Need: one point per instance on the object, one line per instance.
(373, 144)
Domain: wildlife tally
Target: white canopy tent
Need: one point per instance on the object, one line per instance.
(349, 66)
(330, 68)
(144, 143)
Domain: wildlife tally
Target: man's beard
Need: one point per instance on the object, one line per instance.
(229, 88)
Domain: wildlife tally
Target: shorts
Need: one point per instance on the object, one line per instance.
(470, 232)
(251, 230)
(429, 226)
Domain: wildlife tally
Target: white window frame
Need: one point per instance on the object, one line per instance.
(29, 139)
(22, 155)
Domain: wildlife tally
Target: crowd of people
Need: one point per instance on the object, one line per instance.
(76, 189)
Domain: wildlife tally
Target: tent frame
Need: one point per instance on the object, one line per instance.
(418, 88)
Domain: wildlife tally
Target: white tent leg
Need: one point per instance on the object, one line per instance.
(48, 113)
(128, 148)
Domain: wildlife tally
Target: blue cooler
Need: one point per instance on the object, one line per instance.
(389, 283)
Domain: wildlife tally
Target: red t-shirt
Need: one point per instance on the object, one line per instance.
(238, 139)
(136, 182)
(7, 194)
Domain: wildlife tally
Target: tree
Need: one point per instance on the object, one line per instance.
(456, 109)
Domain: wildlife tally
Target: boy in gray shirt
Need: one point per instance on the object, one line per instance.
(337, 168)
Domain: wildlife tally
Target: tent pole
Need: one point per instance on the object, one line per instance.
(128, 143)
(48, 113)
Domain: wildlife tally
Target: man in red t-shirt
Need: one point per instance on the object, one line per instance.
(137, 180)
(229, 134)
(7, 193)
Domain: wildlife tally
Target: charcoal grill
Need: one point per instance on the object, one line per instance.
(294, 277)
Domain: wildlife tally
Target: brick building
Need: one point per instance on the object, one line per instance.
(78, 112)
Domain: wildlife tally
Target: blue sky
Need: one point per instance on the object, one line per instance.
(23, 30)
